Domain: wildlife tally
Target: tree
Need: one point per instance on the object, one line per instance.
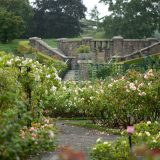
(132, 18)
(11, 26)
(60, 18)
(21, 8)
(94, 14)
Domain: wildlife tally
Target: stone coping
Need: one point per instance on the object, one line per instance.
(84, 61)
(139, 51)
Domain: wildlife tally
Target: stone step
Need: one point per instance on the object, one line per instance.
(70, 76)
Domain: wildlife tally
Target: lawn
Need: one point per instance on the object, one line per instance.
(9, 47)
(51, 42)
(12, 46)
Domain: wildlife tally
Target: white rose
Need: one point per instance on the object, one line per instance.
(53, 89)
(48, 76)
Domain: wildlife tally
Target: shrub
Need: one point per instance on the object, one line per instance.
(83, 49)
(145, 133)
(111, 150)
(115, 102)
(63, 102)
(24, 86)
(18, 141)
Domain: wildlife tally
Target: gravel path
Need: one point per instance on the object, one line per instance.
(79, 138)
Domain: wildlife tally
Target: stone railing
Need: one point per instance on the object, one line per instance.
(117, 46)
(152, 49)
(45, 48)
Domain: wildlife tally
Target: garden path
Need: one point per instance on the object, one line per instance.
(81, 139)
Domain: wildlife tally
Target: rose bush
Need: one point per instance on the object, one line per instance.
(24, 87)
(116, 102)
(145, 141)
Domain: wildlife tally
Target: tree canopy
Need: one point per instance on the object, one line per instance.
(18, 7)
(11, 26)
(132, 18)
(21, 8)
(57, 18)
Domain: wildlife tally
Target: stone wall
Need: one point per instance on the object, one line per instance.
(69, 46)
(152, 49)
(43, 47)
(106, 48)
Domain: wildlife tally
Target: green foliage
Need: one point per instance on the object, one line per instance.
(11, 26)
(89, 29)
(8, 94)
(145, 133)
(132, 19)
(18, 141)
(20, 8)
(60, 20)
(148, 133)
(83, 49)
(94, 14)
(24, 86)
(102, 71)
(111, 150)
(62, 103)
(111, 103)
(100, 34)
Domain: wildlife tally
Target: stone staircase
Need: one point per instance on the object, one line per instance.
(43, 47)
(144, 52)
(70, 76)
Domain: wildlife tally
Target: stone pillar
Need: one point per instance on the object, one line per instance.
(117, 46)
(60, 43)
(34, 41)
(84, 70)
(87, 41)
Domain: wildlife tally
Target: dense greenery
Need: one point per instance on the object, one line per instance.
(112, 103)
(132, 19)
(103, 71)
(145, 143)
(83, 49)
(20, 8)
(24, 86)
(11, 26)
(45, 18)
(57, 18)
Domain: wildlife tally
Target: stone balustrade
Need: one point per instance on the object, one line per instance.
(117, 46)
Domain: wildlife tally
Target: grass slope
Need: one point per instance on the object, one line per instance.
(142, 59)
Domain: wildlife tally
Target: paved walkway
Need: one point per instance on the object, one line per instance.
(79, 138)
